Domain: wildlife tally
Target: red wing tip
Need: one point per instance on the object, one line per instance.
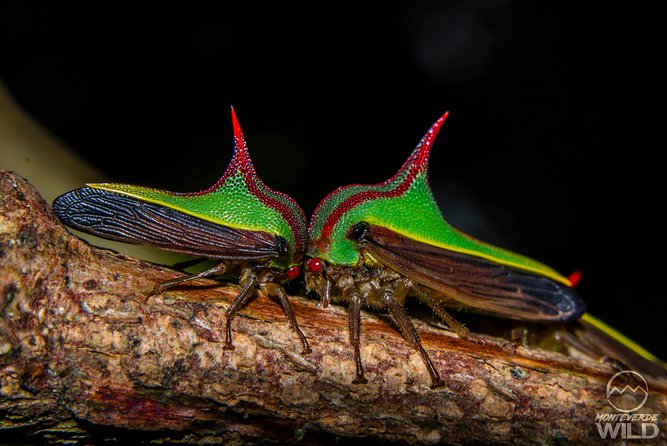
(575, 278)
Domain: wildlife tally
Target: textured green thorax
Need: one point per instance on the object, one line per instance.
(404, 204)
(238, 200)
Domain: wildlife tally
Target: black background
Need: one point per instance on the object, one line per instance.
(551, 149)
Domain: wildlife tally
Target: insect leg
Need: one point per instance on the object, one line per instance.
(326, 294)
(410, 334)
(162, 286)
(278, 292)
(239, 302)
(354, 322)
(460, 329)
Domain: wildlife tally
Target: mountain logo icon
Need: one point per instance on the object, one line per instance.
(627, 391)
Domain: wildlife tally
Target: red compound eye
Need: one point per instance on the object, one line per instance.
(314, 264)
(293, 272)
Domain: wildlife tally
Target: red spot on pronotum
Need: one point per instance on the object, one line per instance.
(293, 272)
(314, 264)
(575, 278)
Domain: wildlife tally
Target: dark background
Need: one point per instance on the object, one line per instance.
(557, 114)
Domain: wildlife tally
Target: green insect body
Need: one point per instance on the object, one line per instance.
(404, 204)
(376, 245)
(259, 233)
(238, 200)
(369, 245)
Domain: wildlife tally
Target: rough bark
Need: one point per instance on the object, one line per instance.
(85, 355)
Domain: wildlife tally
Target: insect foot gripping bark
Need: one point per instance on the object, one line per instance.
(375, 245)
(250, 229)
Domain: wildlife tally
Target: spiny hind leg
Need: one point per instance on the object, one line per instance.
(249, 286)
(219, 268)
(354, 326)
(277, 292)
(410, 334)
(461, 330)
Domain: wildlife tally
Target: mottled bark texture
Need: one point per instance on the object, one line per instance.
(85, 355)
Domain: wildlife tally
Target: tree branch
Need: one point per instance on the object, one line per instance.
(85, 355)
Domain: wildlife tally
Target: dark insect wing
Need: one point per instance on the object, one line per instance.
(126, 219)
(596, 336)
(239, 221)
(475, 282)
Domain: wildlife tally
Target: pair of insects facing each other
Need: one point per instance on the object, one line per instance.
(366, 246)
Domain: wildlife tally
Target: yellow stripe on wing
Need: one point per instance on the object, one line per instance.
(621, 338)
